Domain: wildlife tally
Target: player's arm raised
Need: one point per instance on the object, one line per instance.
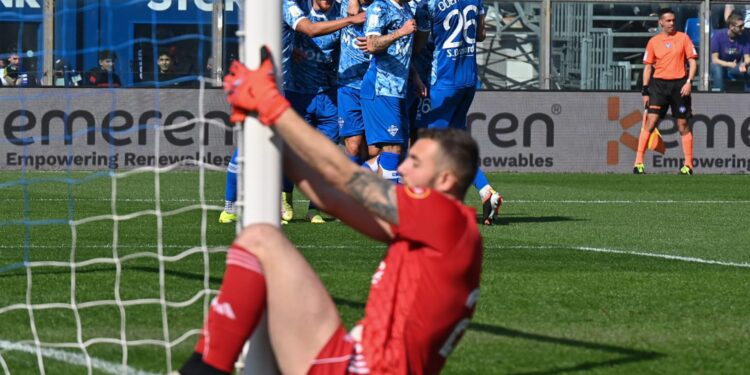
(313, 29)
(256, 91)
(353, 8)
(333, 201)
(379, 43)
(374, 193)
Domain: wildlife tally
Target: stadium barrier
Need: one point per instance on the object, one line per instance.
(91, 129)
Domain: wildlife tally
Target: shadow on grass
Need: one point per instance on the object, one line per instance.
(518, 219)
(628, 355)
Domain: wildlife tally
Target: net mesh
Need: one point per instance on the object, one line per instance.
(109, 249)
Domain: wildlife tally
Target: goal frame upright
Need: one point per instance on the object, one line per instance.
(260, 158)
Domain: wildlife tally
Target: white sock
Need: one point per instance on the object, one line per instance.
(229, 207)
(372, 165)
(485, 192)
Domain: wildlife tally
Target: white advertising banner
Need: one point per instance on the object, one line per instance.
(93, 129)
(598, 132)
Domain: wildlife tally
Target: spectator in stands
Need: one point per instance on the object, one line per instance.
(14, 74)
(165, 74)
(104, 75)
(2, 71)
(730, 54)
(64, 76)
(742, 10)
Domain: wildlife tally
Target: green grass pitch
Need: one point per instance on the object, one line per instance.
(599, 273)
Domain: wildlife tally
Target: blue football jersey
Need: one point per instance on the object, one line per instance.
(422, 60)
(309, 65)
(453, 25)
(353, 62)
(389, 70)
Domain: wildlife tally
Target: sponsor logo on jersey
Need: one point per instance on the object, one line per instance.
(393, 130)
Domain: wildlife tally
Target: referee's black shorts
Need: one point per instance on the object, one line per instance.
(665, 93)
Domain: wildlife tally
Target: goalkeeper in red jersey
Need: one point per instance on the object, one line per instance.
(434, 254)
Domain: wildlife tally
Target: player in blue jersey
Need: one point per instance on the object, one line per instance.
(417, 97)
(456, 26)
(353, 63)
(310, 67)
(389, 31)
(310, 55)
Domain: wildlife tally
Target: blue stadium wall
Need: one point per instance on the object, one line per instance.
(131, 29)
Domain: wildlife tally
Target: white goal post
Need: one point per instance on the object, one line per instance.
(260, 155)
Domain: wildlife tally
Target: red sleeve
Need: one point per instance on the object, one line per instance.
(429, 217)
(649, 56)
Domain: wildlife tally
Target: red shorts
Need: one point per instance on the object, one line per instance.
(336, 356)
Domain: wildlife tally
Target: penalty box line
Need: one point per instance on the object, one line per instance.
(679, 258)
(625, 252)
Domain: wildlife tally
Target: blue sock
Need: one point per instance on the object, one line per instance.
(388, 162)
(230, 190)
(370, 167)
(287, 186)
(480, 180)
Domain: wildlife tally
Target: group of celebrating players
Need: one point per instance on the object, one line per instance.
(370, 73)
(434, 245)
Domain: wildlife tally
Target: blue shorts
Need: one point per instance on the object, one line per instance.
(448, 108)
(350, 120)
(386, 120)
(319, 110)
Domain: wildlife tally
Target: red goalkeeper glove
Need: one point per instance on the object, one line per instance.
(255, 90)
(238, 115)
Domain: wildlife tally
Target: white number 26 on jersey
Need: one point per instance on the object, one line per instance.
(460, 327)
(460, 34)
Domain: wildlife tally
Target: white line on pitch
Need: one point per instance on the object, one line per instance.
(637, 253)
(579, 248)
(73, 358)
(140, 200)
(104, 246)
(546, 247)
(630, 201)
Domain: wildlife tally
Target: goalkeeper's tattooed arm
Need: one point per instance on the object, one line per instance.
(256, 91)
(350, 211)
(374, 193)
